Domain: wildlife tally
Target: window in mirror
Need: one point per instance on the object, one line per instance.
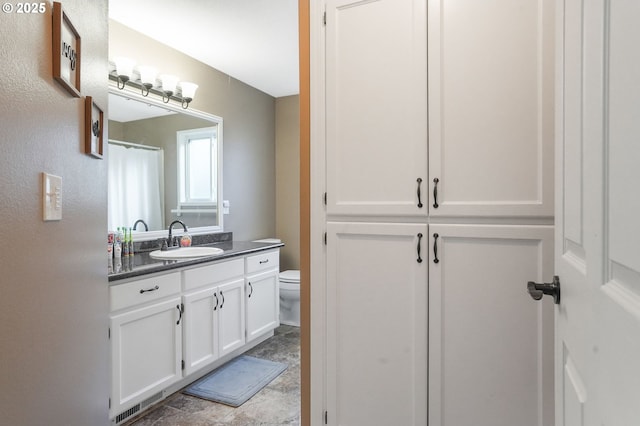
(197, 174)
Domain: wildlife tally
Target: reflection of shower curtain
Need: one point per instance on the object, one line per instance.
(135, 187)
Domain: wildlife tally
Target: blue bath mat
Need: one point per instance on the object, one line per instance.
(236, 381)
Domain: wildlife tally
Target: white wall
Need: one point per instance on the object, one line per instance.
(53, 283)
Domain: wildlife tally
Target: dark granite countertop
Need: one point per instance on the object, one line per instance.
(142, 264)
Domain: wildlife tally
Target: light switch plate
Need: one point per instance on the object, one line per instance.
(51, 197)
(225, 206)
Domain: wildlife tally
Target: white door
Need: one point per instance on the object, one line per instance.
(146, 352)
(598, 213)
(490, 108)
(376, 324)
(376, 107)
(263, 303)
(200, 333)
(231, 316)
(490, 347)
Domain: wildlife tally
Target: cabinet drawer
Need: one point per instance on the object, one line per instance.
(143, 291)
(219, 272)
(264, 260)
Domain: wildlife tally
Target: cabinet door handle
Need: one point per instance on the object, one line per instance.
(263, 261)
(180, 310)
(216, 296)
(419, 180)
(142, 290)
(435, 192)
(435, 248)
(250, 288)
(418, 248)
(222, 304)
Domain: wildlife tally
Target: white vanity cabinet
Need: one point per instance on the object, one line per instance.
(146, 339)
(170, 329)
(214, 312)
(262, 293)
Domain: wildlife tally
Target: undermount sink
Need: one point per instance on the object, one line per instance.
(185, 253)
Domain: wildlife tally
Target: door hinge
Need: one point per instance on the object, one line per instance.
(109, 403)
(183, 364)
(109, 333)
(325, 238)
(324, 198)
(326, 418)
(324, 18)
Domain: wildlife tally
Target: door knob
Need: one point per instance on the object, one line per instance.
(552, 289)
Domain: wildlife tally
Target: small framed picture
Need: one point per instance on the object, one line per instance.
(66, 51)
(93, 128)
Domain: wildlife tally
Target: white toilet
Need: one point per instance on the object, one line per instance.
(290, 297)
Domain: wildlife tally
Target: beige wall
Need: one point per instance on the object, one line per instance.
(288, 180)
(249, 129)
(53, 287)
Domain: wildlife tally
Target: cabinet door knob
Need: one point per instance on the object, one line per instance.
(180, 309)
(536, 291)
(435, 193)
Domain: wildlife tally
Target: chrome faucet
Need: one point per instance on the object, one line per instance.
(169, 240)
(146, 228)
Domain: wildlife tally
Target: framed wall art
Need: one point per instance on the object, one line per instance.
(93, 128)
(66, 51)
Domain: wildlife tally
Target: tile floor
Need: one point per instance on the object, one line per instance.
(276, 404)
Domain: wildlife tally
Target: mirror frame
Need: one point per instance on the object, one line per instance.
(135, 95)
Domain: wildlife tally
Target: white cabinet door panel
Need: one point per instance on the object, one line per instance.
(200, 329)
(231, 332)
(146, 355)
(490, 108)
(262, 303)
(490, 344)
(376, 107)
(376, 324)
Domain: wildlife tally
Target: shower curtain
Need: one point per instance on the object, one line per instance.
(136, 187)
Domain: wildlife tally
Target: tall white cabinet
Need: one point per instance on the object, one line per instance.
(438, 170)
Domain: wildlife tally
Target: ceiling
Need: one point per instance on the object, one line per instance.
(254, 41)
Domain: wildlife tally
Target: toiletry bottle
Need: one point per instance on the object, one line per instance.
(117, 245)
(125, 243)
(131, 251)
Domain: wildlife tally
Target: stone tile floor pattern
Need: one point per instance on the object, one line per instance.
(277, 404)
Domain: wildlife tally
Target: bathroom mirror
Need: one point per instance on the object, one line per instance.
(165, 163)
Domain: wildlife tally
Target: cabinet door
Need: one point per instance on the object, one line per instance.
(376, 324)
(231, 316)
(490, 345)
(200, 334)
(376, 106)
(146, 352)
(491, 108)
(263, 303)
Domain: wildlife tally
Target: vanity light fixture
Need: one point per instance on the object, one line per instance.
(146, 79)
(188, 91)
(169, 85)
(124, 70)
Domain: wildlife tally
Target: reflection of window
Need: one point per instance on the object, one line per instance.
(197, 161)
